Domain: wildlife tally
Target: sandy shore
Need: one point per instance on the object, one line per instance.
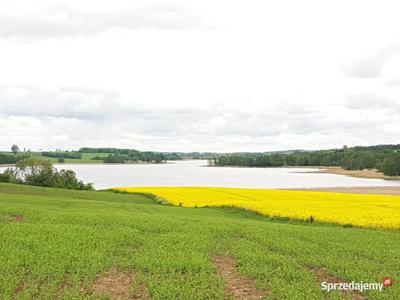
(382, 190)
(354, 173)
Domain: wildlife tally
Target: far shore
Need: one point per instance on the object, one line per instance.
(5, 166)
(372, 173)
(98, 163)
(366, 173)
(381, 190)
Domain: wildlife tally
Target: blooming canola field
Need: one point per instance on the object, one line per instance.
(380, 211)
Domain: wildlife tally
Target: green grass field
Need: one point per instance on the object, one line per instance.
(86, 158)
(55, 243)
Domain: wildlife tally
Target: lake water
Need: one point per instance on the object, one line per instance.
(196, 173)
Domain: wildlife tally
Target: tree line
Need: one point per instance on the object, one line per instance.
(62, 154)
(135, 156)
(116, 155)
(384, 158)
(125, 155)
(15, 156)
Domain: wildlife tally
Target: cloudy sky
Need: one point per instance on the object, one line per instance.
(199, 75)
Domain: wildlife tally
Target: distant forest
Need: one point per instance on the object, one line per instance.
(384, 158)
(106, 155)
(62, 154)
(131, 155)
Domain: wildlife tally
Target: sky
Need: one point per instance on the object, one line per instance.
(217, 75)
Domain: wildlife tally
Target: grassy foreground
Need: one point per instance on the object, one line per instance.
(55, 243)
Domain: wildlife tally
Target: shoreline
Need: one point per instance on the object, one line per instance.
(96, 164)
(366, 173)
(7, 165)
(366, 190)
(369, 174)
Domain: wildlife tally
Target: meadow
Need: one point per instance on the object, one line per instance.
(87, 158)
(341, 208)
(59, 244)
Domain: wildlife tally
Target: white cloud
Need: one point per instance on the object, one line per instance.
(67, 21)
(207, 75)
(371, 101)
(371, 65)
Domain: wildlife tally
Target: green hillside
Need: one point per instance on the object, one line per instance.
(60, 244)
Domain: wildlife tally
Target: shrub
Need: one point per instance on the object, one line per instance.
(7, 159)
(115, 159)
(4, 177)
(98, 158)
(60, 154)
(34, 171)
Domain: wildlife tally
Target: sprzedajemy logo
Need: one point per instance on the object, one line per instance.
(356, 286)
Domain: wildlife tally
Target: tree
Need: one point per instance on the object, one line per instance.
(4, 177)
(7, 159)
(35, 171)
(391, 165)
(115, 159)
(66, 179)
(15, 149)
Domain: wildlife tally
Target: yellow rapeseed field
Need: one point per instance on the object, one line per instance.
(361, 210)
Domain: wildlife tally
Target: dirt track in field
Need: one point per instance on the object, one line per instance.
(237, 286)
(117, 285)
(323, 275)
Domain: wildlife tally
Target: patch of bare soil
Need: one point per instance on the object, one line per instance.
(237, 285)
(322, 275)
(142, 292)
(61, 288)
(19, 290)
(23, 286)
(17, 218)
(118, 285)
(380, 190)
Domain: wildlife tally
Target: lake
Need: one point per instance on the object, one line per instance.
(196, 173)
